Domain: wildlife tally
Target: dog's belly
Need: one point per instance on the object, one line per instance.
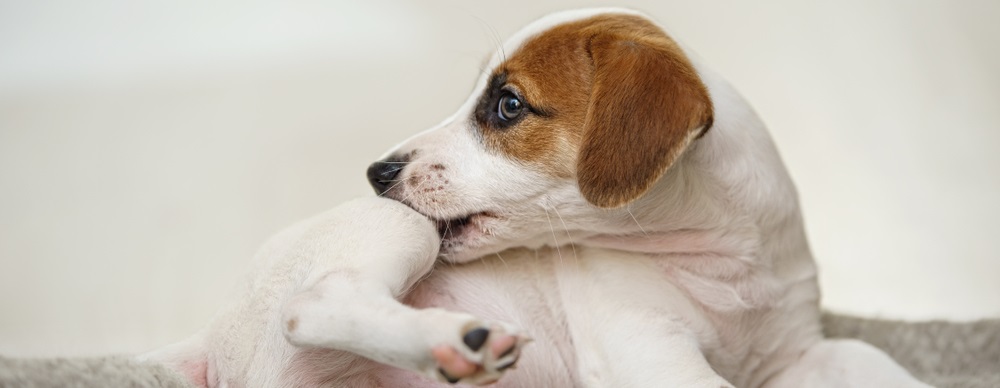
(549, 293)
(539, 290)
(518, 287)
(553, 294)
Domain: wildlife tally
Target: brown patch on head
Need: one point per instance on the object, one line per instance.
(612, 100)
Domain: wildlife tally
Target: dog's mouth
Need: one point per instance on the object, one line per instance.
(456, 228)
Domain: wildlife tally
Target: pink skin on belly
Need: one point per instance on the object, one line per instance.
(483, 289)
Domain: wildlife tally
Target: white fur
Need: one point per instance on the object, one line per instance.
(705, 281)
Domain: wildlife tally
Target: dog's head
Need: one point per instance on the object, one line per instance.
(581, 116)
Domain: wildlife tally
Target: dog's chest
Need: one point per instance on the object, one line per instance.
(557, 295)
(519, 287)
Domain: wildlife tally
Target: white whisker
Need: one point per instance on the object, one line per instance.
(494, 36)
(636, 221)
(398, 182)
(568, 236)
(403, 162)
(413, 190)
(555, 241)
(502, 260)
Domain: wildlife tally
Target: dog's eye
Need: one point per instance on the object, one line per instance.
(509, 107)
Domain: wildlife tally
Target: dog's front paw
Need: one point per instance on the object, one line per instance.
(482, 356)
(445, 345)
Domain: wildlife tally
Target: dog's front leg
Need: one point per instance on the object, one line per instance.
(368, 254)
(630, 327)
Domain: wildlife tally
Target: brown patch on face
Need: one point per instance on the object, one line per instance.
(615, 102)
(552, 73)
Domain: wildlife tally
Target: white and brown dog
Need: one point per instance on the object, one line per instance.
(606, 196)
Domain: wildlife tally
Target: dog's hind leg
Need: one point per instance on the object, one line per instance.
(373, 250)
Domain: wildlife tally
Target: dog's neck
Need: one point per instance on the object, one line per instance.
(727, 191)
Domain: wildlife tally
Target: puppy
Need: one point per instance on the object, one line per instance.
(601, 193)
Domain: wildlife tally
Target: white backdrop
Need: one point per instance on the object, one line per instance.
(148, 148)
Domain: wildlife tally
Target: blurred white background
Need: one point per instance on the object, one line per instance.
(147, 148)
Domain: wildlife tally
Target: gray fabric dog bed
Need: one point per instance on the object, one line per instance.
(939, 353)
(942, 354)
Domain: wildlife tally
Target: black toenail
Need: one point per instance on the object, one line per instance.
(476, 338)
(507, 352)
(501, 368)
(450, 379)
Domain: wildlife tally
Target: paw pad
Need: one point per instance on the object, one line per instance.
(494, 350)
(475, 338)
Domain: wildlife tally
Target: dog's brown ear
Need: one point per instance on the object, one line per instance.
(647, 105)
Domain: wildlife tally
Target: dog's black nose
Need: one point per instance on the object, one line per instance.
(382, 174)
